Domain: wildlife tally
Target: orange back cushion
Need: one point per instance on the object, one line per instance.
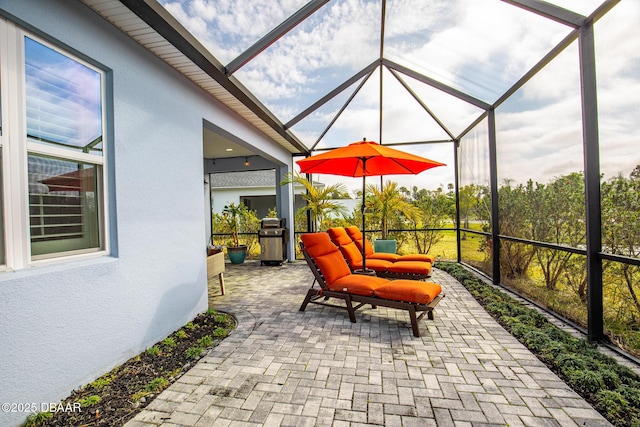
(356, 235)
(348, 248)
(352, 254)
(326, 256)
(339, 236)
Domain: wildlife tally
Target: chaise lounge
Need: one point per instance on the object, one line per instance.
(337, 281)
(401, 269)
(356, 235)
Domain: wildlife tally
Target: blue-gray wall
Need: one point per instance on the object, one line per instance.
(64, 324)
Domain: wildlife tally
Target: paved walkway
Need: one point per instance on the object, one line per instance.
(282, 367)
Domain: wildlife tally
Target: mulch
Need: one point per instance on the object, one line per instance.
(119, 395)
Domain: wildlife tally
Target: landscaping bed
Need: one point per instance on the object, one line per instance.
(612, 389)
(119, 395)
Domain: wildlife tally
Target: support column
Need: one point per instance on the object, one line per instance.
(591, 147)
(284, 206)
(493, 182)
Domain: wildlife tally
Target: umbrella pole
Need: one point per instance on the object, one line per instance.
(363, 208)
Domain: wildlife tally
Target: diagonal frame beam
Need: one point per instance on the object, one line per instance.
(274, 35)
(550, 11)
(360, 74)
(436, 84)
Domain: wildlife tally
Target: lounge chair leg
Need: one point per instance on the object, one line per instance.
(430, 315)
(350, 310)
(414, 321)
(310, 294)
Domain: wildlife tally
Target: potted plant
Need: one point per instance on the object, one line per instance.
(232, 214)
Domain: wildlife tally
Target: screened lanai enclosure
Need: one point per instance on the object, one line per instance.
(533, 106)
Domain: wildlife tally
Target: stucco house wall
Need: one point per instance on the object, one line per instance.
(64, 324)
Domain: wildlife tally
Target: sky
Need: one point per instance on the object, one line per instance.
(479, 47)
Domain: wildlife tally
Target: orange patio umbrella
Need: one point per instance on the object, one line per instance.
(366, 158)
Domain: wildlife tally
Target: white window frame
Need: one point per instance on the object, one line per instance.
(16, 148)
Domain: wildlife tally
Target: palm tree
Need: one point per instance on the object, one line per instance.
(388, 203)
(319, 199)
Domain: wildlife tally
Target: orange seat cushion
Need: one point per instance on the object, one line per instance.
(414, 267)
(409, 291)
(373, 264)
(385, 256)
(358, 284)
(417, 257)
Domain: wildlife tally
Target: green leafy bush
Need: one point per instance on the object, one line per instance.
(90, 400)
(157, 384)
(193, 352)
(153, 351)
(37, 418)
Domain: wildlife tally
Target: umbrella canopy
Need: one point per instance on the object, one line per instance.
(366, 158)
(362, 159)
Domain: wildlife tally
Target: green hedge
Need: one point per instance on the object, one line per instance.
(612, 389)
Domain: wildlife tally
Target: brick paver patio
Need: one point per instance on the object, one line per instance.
(282, 367)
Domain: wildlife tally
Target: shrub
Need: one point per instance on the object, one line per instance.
(37, 418)
(611, 379)
(587, 381)
(220, 332)
(193, 352)
(205, 341)
(612, 403)
(153, 351)
(156, 385)
(169, 342)
(536, 340)
(90, 400)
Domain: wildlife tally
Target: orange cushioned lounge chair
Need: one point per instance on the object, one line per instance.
(355, 234)
(403, 269)
(337, 281)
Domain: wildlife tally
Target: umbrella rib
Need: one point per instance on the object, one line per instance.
(403, 166)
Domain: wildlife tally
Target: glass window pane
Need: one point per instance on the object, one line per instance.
(320, 53)
(63, 100)
(540, 156)
(228, 28)
(618, 67)
(553, 278)
(481, 47)
(63, 205)
(474, 198)
(621, 293)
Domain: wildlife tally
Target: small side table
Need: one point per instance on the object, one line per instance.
(215, 266)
